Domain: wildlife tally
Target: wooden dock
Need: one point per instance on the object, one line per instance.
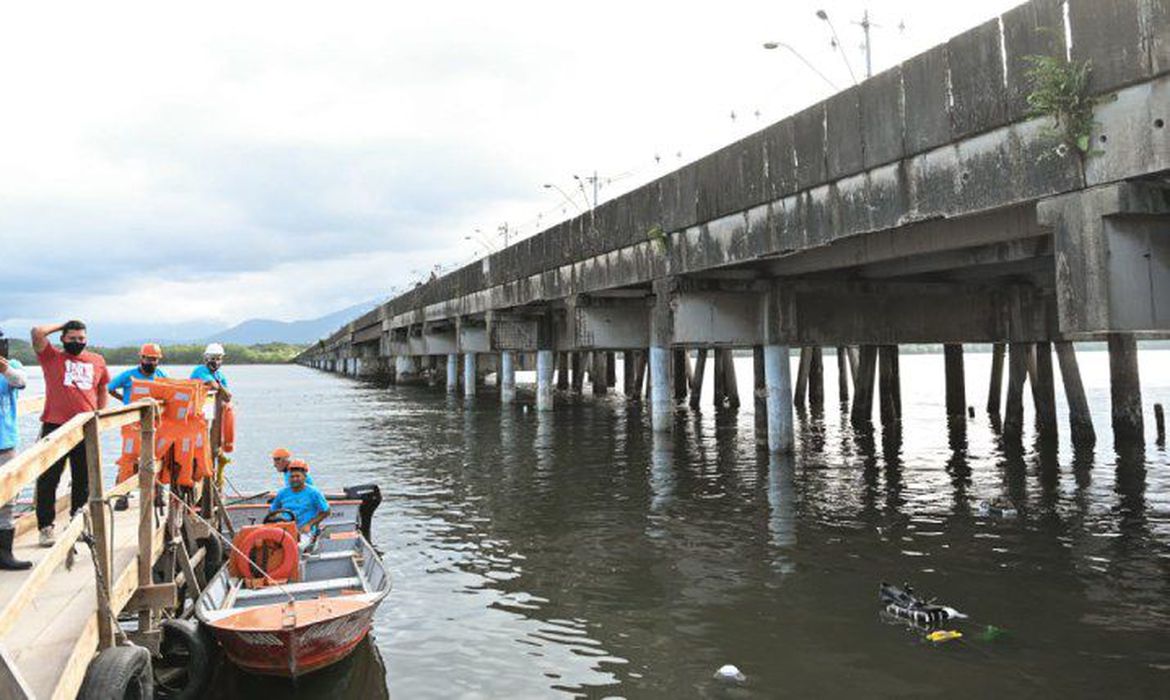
(57, 615)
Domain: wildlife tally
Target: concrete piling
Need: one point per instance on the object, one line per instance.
(802, 370)
(718, 385)
(1080, 421)
(641, 362)
(680, 367)
(1044, 391)
(469, 371)
(1125, 389)
(730, 384)
(452, 373)
(507, 376)
(577, 368)
(697, 377)
(843, 375)
(889, 385)
(544, 380)
(562, 370)
(862, 413)
(993, 391)
(1013, 411)
(610, 369)
(759, 395)
(661, 402)
(628, 373)
(816, 379)
(778, 380)
(956, 389)
(600, 373)
(1159, 426)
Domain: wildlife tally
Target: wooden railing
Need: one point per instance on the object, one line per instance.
(112, 595)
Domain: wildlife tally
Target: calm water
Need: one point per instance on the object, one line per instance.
(577, 554)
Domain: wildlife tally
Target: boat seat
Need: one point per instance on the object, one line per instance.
(336, 554)
(301, 587)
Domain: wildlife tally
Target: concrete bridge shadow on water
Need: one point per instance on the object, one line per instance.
(924, 205)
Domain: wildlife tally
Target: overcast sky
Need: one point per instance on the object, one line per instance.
(215, 162)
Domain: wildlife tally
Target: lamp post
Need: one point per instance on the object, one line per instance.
(570, 200)
(781, 45)
(824, 16)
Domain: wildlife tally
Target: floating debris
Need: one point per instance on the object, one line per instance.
(730, 674)
(939, 636)
(903, 603)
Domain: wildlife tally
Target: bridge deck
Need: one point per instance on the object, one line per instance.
(52, 638)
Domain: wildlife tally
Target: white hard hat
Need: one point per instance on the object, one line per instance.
(212, 350)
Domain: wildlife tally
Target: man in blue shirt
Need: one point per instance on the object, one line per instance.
(146, 371)
(209, 372)
(12, 380)
(305, 502)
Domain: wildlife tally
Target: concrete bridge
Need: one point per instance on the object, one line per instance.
(924, 205)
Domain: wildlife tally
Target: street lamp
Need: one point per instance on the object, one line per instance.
(485, 245)
(781, 45)
(821, 14)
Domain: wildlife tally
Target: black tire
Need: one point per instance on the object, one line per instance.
(184, 667)
(119, 673)
(213, 559)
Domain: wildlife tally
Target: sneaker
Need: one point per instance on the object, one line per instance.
(47, 539)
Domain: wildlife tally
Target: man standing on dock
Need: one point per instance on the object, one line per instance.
(75, 382)
(12, 380)
(210, 372)
(307, 504)
(147, 370)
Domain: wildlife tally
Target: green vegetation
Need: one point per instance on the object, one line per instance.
(262, 354)
(1060, 90)
(657, 238)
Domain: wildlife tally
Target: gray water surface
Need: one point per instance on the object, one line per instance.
(578, 554)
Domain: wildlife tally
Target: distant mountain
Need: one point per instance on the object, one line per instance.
(262, 330)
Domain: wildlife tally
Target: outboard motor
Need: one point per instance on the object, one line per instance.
(371, 497)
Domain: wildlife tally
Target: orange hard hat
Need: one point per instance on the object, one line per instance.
(150, 350)
(281, 453)
(299, 464)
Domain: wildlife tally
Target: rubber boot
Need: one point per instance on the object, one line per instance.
(7, 561)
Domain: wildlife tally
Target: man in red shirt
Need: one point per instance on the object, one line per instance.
(75, 382)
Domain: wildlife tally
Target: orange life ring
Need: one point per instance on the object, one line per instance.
(278, 557)
(228, 428)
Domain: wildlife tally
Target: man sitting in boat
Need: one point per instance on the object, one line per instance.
(305, 502)
(282, 460)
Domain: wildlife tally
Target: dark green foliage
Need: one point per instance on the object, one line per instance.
(1060, 91)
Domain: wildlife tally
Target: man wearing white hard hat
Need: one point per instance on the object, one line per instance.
(210, 372)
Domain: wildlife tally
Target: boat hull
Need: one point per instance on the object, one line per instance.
(318, 633)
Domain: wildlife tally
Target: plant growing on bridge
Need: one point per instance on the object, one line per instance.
(657, 238)
(1060, 90)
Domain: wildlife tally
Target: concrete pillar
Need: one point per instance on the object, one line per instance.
(843, 375)
(956, 388)
(816, 379)
(802, 371)
(1013, 410)
(1125, 390)
(628, 373)
(730, 382)
(507, 376)
(610, 369)
(544, 380)
(778, 379)
(759, 395)
(680, 368)
(1080, 421)
(697, 377)
(1044, 391)
(452, 373)
(469, 374)
(661, 402)
(599, 374)
(578, 369)
(889, 385)
(862, 413)
(993, 391)
(719, 385)
(562, 370)
(406, 368)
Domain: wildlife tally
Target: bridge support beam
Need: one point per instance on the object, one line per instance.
(469, 372)
(1013, 411)
(862, 414)
(661, 402)
(1044, 391)
(889, 386)
(697, 378)
(843, 375)
(507, 375)
(1125, 390)
(759, 396)
(956, 387)
(406, 369)
(544, 380)
(453, 373)
(1080, 421)
(778, 380)
(996, 387)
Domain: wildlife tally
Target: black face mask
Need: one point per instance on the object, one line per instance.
(148, 368)
(213, 365)
(73, 347)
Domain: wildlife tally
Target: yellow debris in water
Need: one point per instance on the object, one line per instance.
(944, 635)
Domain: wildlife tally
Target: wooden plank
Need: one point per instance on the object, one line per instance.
(146, 524)
(33, 462)
(188, 568)
(155, 596)
(99, 529)
(40, 574)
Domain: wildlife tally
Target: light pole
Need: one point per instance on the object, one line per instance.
(837, 43)
(782, 45)
(865, 25)
(485, 245)
(581, 185)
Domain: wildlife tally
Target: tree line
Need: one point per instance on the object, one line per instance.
(179, 354)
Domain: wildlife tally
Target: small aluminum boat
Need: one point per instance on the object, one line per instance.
(275, 618)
